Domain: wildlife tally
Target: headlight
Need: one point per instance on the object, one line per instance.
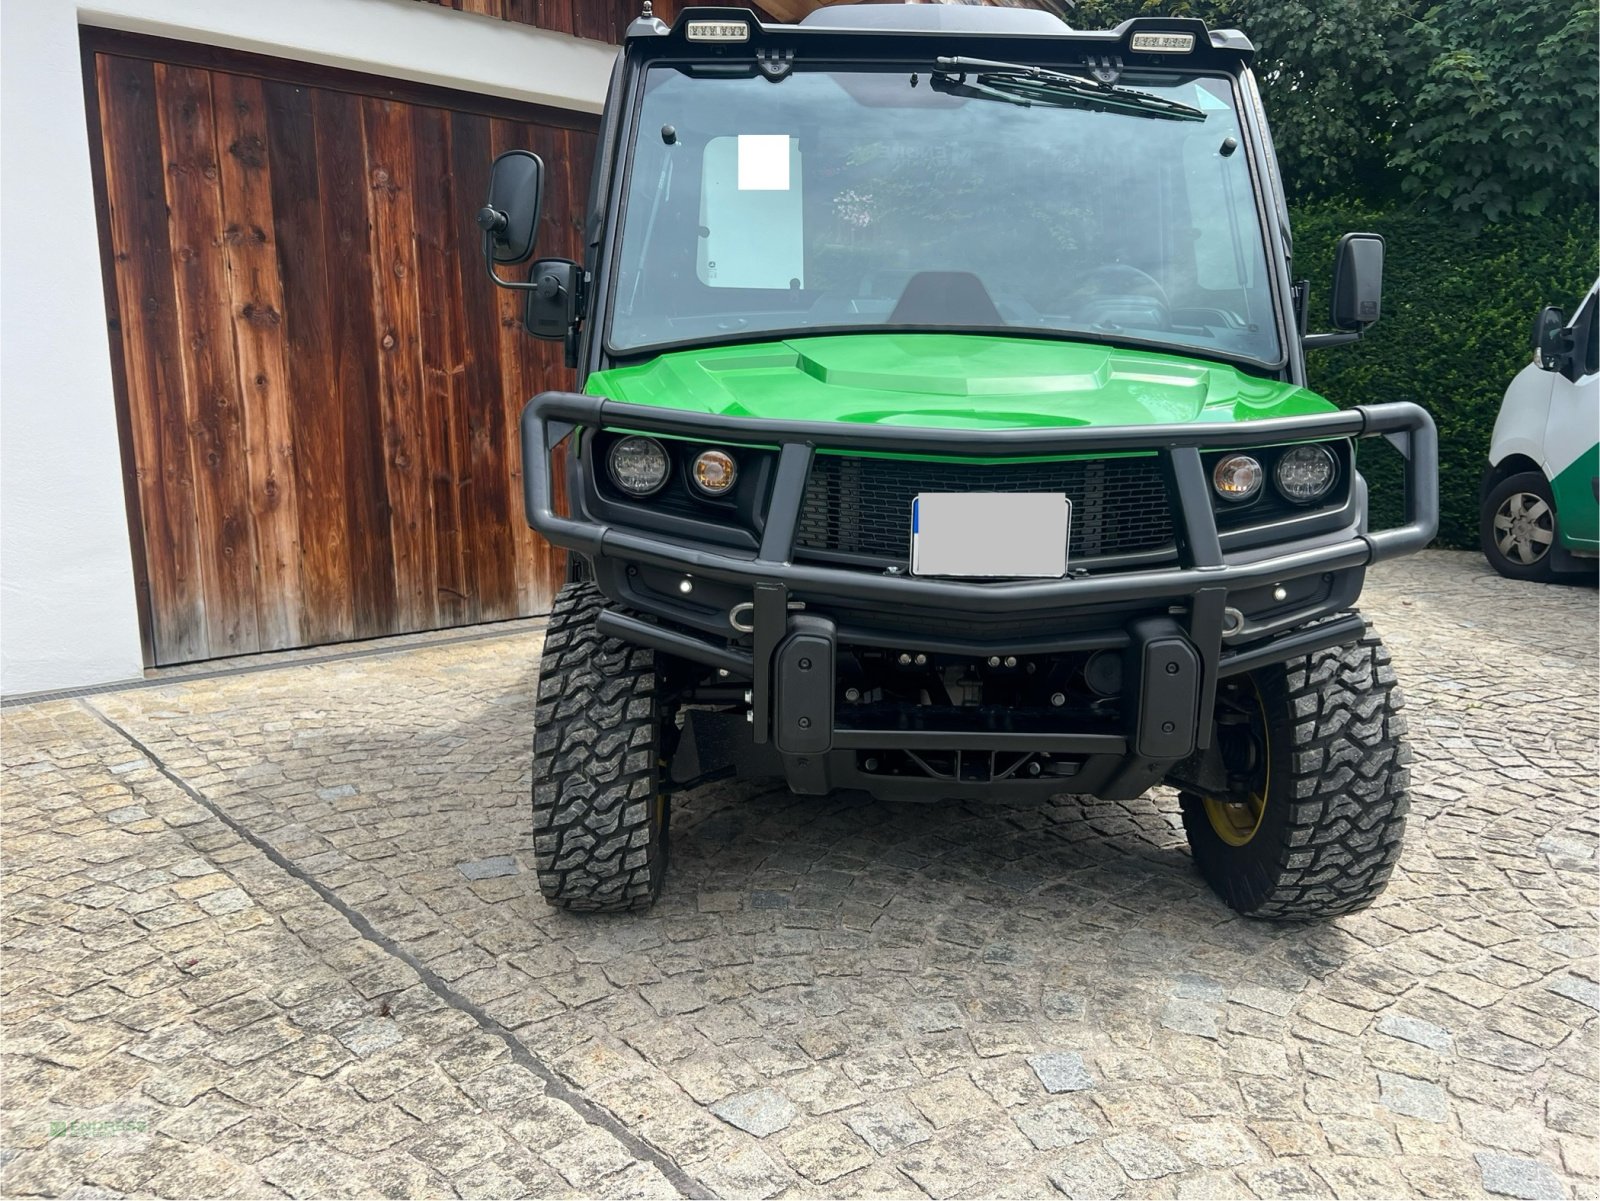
(1237, 477)
(713, 472)
(639, 466)
(1305, 473)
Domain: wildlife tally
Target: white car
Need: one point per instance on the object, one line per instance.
(1541, 494)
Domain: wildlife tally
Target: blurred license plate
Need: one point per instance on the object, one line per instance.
(990, 534)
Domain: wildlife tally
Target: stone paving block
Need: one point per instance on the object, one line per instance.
(1142, 1156)
(1360, 1177)
(1190, 1017)
(639, 1180)
(1055, 1124)
(1413, 1098)
(744, 1173)
(203, 1173)
(1088, 1176)
(202, 1121)
(1416, 1030)
(1585, 992)
(761, 1112)
(367, 1036)
(1513, 1176)
(588, 1158)
(307, 1172)
(1061, 1071)
(1288, 1179)
(824, 1152)
(489, 869)
(1219, 1144)
(1359, 1137)
(947, 1101)
(888, 1126)
(253, 1042)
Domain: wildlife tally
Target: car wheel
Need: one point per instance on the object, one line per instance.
(1518, 527)
(600, 806)
(1316, 751)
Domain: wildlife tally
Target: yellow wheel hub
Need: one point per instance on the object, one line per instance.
(1236, 822)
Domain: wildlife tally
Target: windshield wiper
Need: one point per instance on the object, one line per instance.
(1023, 85)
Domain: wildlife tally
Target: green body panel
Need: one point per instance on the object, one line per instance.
(951, 381)
(1577, 512)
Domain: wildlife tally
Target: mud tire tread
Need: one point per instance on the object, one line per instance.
(1340, 780)
(600, 838)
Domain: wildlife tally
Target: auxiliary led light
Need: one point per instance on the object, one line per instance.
(714, 472)
(1237, 478)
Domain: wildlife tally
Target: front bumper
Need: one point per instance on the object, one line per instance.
(1173, 610)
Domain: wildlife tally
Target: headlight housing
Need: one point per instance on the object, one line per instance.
(1237, 478)
(1305, 473)
(638, 465)
(713, 472)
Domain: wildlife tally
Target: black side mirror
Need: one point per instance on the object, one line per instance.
(1357, 281)
(510, 219)
(1551, 341)
(553, 302)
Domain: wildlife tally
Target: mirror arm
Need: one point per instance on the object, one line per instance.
(1323, 341)
(509, 285)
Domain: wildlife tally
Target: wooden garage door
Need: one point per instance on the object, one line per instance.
(318, 388)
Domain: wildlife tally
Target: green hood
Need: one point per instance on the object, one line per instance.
(951, 381)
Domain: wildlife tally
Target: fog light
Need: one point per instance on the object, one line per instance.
(714, 472)
(1236, 478)
(639, 466)
(1305, 473)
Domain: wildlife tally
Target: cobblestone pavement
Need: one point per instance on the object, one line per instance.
(276, 934)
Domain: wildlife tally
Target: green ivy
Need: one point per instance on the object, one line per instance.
(1459, 305)
(1481, 108)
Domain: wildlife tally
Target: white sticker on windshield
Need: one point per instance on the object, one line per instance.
(763, 162)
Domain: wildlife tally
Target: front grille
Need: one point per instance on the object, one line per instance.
(863, 506)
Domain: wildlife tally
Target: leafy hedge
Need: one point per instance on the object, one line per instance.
(1458, 307)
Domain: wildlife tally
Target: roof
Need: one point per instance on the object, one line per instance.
(998, 31)
(963, 18)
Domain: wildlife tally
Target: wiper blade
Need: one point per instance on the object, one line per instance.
(1025, 86)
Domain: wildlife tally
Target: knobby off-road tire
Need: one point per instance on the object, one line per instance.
(1329, 832)
(599, 807)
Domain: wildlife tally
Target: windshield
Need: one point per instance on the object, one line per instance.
(842, 199)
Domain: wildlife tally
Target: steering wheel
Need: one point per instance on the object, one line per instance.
(1121, 295)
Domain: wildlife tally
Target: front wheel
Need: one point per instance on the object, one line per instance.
(1517, 527)
(1311, 824)
(599, 801)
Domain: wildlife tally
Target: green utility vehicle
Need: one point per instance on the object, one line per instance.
(943, 434)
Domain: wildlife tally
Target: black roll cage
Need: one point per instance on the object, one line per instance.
(650, 42)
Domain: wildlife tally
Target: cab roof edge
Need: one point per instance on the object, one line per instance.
(946, 21)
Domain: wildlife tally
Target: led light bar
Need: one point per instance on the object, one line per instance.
(1159, 43)
(718, 31)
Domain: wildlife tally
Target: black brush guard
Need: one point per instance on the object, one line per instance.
(1172, 665)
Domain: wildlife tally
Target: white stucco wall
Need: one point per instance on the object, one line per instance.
(67, 608)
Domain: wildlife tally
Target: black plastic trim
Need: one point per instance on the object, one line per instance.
(1197, 567)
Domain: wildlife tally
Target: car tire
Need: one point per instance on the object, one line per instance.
(1330, 775)
(1517, 528)
(600, 808)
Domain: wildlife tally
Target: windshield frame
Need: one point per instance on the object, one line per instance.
(1257, 156)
